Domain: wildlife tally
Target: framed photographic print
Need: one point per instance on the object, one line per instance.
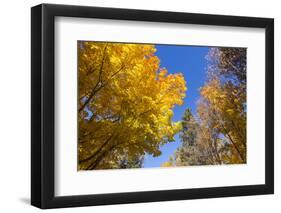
(138, 106)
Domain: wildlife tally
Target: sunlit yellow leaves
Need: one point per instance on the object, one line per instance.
(227, 106)
(128, 99)
(167, 164)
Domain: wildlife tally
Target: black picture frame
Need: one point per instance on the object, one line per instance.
(43, 102)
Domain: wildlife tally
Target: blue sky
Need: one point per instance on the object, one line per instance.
(189, 60)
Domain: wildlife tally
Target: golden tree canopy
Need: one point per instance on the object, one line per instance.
(125, 103)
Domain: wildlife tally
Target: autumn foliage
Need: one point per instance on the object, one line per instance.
(217, 133)
(125, 104)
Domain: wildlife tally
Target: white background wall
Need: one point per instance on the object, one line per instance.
(15, 105)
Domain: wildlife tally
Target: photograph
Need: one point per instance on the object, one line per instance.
(160, 105)
(141, 105)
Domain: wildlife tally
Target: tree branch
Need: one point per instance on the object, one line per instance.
(94, 154)
(98, 85)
